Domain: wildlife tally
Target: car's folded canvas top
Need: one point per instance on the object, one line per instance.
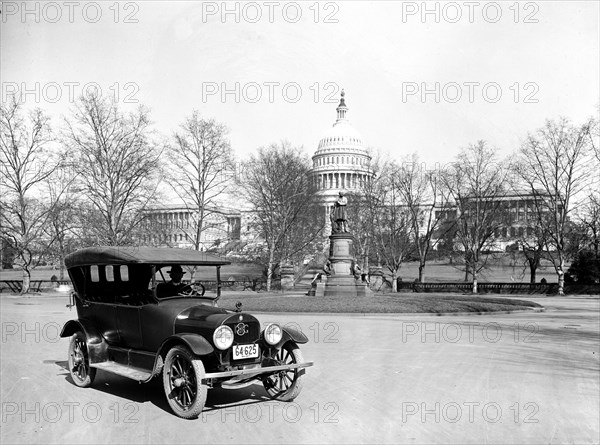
(147, 255)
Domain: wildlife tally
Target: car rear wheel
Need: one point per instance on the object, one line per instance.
(182, 380)
(285, 385)
(79, 362)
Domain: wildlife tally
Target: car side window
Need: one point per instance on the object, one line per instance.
(94, 274)
(109, 273)
(124, 273)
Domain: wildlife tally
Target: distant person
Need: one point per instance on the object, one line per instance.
(174, 286)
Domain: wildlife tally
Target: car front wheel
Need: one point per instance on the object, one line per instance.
(182, 380)
(285, 385)
(79, 362)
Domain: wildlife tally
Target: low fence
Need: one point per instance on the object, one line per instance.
(499, 288)
(34, 285)
(237, 285)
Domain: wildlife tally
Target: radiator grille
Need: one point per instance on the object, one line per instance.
(250, 329)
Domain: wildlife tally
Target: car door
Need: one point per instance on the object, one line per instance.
(99, 304)
(128, 322)
(127, 304)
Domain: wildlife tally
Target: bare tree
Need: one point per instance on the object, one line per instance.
(555, 166)
(117, 165)
(365, 203)
(202, 167)
(590, 222)
(26, 161)
(391, 222)
(65, 216)
(425, 199)
(595, 137)
(534, 249)
(276, 183)
(476, 183)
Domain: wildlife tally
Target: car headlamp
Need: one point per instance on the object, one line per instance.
(223, 337)
(273, 334)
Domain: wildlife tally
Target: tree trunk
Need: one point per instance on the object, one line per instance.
(532, 270)
(394, 282)
(474, 280)
(421, 272)
(270, 270)
(26, 281)
(61, 264)
(561, 281)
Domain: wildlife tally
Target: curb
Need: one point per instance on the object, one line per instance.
(404, 314)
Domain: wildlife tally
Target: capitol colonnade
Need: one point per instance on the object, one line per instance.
(340, 181)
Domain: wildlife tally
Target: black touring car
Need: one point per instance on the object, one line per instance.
(126, 327)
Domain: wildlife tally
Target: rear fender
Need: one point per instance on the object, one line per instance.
(96, 345)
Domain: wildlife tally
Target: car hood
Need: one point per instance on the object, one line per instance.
(203, 319)
(208, 316)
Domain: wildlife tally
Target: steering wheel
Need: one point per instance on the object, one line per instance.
(192, 290)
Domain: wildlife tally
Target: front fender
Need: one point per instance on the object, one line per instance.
(197, 344)
(97, 346)
(288, 334)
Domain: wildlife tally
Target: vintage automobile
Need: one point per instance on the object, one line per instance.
(126, 328)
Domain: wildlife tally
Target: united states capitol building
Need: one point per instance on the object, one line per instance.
(341, 162)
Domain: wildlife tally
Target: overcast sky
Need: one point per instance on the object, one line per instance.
(500, 69)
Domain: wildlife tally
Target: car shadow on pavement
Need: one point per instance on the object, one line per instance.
(221, 398)
(153, 392)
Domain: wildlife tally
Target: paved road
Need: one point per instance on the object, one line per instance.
(506, 378)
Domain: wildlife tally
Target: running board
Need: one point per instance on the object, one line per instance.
(254, 371)
(138, 374)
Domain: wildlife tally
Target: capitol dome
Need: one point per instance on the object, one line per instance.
(341, 161)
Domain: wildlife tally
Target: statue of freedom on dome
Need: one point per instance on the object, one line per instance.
(339, 223)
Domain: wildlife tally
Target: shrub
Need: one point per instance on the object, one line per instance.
(585, 269)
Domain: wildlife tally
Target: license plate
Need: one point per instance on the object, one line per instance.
(245, 351)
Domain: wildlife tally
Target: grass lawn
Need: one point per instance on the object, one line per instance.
(379, 303)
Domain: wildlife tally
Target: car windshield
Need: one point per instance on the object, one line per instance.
(190, 281)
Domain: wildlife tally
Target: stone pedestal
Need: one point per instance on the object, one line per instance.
(341, 281)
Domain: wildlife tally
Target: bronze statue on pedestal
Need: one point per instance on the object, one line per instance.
(339, 222)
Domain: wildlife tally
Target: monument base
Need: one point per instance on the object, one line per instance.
(341, 281)
(347, 290)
